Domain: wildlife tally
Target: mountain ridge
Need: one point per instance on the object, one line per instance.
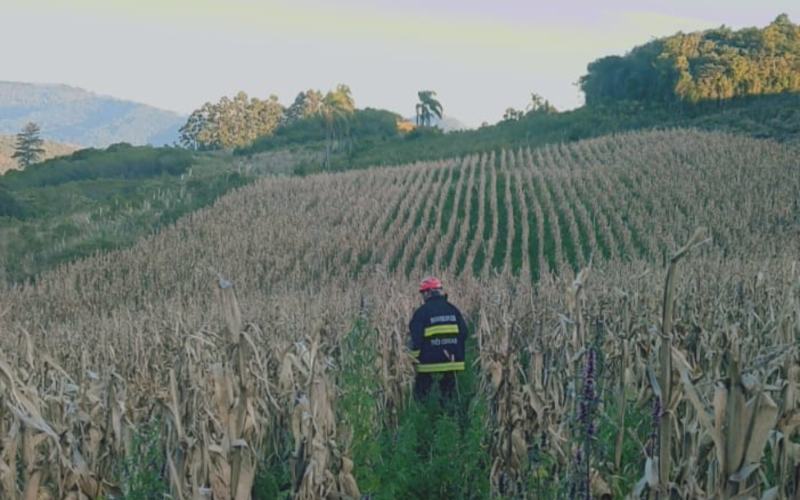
(74, 115)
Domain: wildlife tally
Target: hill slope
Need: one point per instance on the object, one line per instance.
(72, 115)
(312, 316)
(8, 144)
(526, 213)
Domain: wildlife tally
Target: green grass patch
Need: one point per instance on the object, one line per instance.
(584, 242)
(432, 218)
(461, 213)
(474, 210)
(501, 243)
(636, 238)
(447, 213)
(533, 237)
(549, 246)
(516, 242)
(435, 451)
(77, 219)
(480, 257)
(568, 246)
(392, 219)
(488, 224)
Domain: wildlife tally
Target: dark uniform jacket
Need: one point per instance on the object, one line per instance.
(438, 334)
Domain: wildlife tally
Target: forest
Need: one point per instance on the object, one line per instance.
(713, 65)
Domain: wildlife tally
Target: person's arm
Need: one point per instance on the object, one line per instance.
(415, 327)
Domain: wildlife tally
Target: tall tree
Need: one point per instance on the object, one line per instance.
(199, 133)
(512, 114)
(231, 123)
(29, 146)
(335, 109)
(539, 105)
(427, 107)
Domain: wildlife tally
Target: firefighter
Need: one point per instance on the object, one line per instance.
(438, 334)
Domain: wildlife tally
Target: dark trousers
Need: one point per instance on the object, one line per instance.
(424, 381)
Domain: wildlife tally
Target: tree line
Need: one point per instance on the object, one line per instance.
(711, 65)
(236, 123)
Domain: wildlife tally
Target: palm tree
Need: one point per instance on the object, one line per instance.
(427, 107)
(335, 108)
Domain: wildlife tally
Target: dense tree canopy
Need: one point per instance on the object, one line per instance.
(231, 123)
(710, 65)
(237, 122)
(305, 105)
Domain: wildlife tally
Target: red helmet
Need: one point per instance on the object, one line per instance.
(429, 284)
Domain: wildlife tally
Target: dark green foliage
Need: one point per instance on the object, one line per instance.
(460, 214)
(65, 221)
(599, 236)
(366, 128)
(473, 221)
(549, 246)
(774, 116)
(427, 107)
(9, 207)
(230, 123)
(143, 472)
(488, 224)
(434, 452)
(118, 161)
(712, 65)
(307, 132)
(533, 237)
(447, 214)
(516, 243)
(29, 146)
(370, 126)
(500, 245)
(360, 383)
(567, 243)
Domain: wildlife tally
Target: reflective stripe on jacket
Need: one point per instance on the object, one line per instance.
(438, 333)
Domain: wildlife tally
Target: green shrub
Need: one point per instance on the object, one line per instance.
(143, 474)
(118, 161)
(9, 206)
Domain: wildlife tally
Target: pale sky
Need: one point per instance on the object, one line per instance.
(480, 56)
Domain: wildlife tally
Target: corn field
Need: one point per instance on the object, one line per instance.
(651, 273)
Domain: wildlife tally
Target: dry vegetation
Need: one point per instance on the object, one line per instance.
(7, 145)
(704, 339)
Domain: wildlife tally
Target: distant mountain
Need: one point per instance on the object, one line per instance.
(8, 146)
(447, 123)
(76, 116)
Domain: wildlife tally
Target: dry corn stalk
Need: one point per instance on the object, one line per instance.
(665, 364)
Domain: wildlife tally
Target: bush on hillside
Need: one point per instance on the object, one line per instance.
(117, 161)
(9, 207)
(365, 127)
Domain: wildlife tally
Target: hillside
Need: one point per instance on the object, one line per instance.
(76, 116)
(373, 143)
(63, 209)
(292, 297)
(523, 212)
(712, 65)
(7, 148)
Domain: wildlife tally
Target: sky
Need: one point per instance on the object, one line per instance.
(479, 56)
